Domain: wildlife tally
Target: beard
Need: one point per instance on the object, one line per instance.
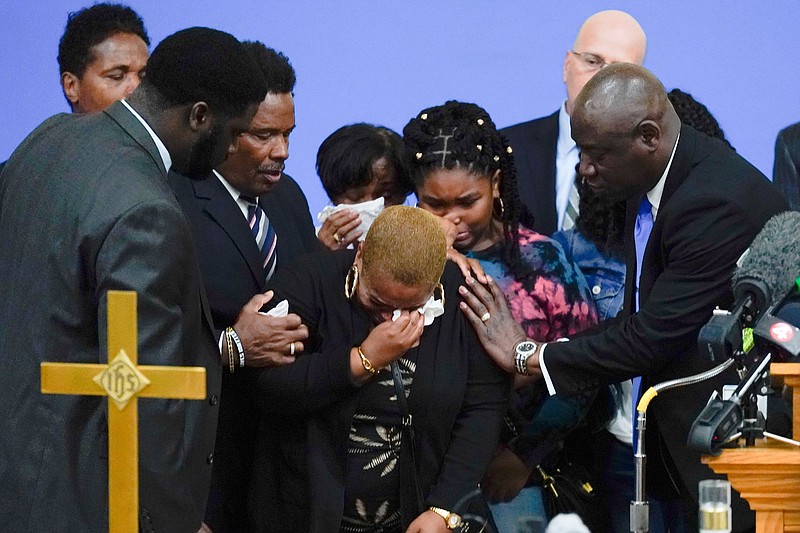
(205, 154)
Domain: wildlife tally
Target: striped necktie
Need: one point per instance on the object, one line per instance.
(573, 203)
(264, 234)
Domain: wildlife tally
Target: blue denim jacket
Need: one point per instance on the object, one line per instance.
(605, 275)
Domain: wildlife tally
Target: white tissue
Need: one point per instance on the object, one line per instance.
(567, 523)
(367, 211)
(429, 311)
(282, 309)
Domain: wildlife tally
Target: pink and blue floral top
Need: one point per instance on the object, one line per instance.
(550, 300)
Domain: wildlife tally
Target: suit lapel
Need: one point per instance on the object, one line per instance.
(653, 261)
(222, 208)
(681, 164)
(122, 116)
(542, 166)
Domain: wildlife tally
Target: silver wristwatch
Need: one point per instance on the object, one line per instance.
(522, 351)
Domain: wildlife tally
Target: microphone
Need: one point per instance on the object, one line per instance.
(766, 272)
(769, 267)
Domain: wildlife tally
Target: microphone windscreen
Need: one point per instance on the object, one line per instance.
(769, 268)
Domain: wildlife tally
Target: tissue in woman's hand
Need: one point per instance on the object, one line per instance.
(429, 311)
(367, 211)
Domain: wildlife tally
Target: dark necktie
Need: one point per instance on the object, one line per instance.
(641, 232)
(264, 234)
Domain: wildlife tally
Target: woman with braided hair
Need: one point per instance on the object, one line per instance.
(463, 170)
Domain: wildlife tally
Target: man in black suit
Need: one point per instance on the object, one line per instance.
(707, 204)
(544, 152)
(234, 274)
(786, 172)
(86, 208)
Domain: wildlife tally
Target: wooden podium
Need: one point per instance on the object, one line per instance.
(767, 475)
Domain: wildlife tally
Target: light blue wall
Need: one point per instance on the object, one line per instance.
(383, 61)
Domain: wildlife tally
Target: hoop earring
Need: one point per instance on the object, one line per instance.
(349, 290)
(441, 290)
(502, 214)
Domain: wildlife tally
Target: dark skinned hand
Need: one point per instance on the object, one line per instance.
(500, 333)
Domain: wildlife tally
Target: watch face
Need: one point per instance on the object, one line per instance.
(453, 521)
(526, 346)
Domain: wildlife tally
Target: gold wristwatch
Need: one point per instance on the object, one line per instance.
(451, 519)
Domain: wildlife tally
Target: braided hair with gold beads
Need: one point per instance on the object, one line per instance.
(459, 135)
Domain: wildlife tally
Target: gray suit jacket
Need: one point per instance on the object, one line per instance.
(86, 208)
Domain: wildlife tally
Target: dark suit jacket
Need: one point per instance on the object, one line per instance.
(85, 209)
(534, 145)
(231, 265)
(457, 401)
(786, 172)
(714, 204)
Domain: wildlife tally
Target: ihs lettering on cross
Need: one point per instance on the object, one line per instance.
(123, 382)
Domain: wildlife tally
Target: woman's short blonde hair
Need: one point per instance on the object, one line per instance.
(407, 245)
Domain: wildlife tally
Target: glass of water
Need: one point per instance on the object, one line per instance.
(715, 506)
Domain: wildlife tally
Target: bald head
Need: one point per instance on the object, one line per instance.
(604, 38)
(619, 97)
(625, 128)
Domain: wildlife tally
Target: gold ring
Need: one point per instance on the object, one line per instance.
(291, 348)
(336, 237)
(485, 316)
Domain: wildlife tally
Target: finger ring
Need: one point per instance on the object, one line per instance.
(336, 237)
(291, 348)
(485, 316)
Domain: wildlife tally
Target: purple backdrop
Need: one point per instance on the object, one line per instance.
(382, 62)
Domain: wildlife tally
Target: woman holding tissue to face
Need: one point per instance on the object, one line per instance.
(363, 170)
(382, 319)
(463, 171)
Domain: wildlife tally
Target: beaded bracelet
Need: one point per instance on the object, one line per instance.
(229, 343)
(232, 333)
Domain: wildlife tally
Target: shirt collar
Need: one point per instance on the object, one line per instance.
(654, 195)
(162, 149)
(565, 143)
(235, 194)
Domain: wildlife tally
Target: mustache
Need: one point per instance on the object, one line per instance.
(274, 167)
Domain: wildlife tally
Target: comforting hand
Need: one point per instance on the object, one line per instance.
(467, 265)
(505, 477)
(390, 340)
(267, 340)
(428, 522)
(340, 229)
(204, 528)
(450, 230)
(488, 312)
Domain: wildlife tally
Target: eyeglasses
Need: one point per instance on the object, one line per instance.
(591, 62)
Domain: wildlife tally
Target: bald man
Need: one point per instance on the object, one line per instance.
(697, 195)
(544, 151)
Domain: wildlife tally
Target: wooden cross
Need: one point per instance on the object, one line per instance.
(123, 382)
